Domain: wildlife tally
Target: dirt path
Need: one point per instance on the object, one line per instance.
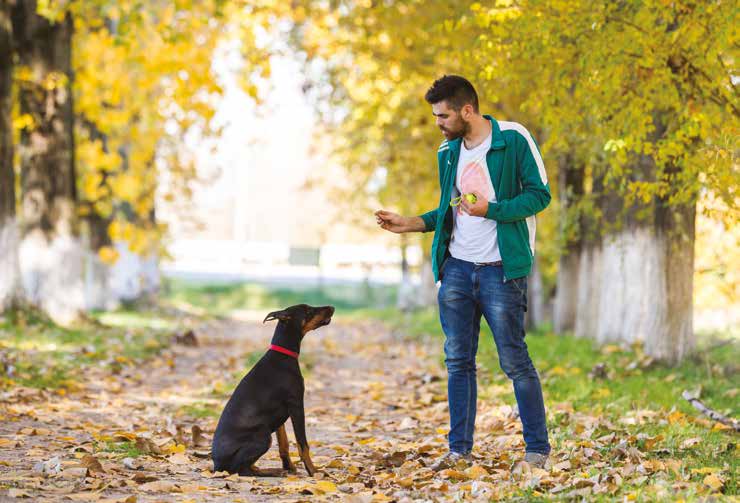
(375, 408)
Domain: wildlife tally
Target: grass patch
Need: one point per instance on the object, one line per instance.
(123, 449)
(222, 299)
(201, 410)
(631, 381)
(35, 352)
(133, 318)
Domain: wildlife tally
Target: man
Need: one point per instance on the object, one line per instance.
(482, 252)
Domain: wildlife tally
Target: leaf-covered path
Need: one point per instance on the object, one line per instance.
(376, 417)
(131, 434)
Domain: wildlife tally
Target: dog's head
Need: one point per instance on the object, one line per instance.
(303, 316)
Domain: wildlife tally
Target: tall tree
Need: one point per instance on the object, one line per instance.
(144, 81)
(9, 269)
(565, 306)
(636, 94)
(50, 252)
(649, 84)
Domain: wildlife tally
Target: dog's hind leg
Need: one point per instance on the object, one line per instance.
(265, 472)
(248, 454)
(284, 449)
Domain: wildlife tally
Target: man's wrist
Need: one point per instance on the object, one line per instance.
(415, 224)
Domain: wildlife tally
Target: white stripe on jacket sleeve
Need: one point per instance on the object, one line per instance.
(505, 126)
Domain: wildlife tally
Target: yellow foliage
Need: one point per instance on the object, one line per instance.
(126, 186)
(154, 68)
(108, 255)
(24, 121)
(120, 231)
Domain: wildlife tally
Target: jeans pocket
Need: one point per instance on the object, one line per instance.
(520, 284)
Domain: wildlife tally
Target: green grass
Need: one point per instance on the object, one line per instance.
(39, 354)
(122, 449)
(202, 410)
(222, 299)
(632, 381)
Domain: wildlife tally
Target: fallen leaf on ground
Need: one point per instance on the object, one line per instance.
(91, 463)
(713, 482)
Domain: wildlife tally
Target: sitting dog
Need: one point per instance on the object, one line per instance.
(264, 399)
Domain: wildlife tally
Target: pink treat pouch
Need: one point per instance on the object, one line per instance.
(474, 179)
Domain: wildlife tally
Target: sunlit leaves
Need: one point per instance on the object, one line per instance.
(138, 70)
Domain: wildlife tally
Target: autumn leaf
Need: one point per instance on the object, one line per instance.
(714, 482)
(91, 463)
(147, 446)
(476, 471)
(690, 442)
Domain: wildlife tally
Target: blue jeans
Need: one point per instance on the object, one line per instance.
(467, 292)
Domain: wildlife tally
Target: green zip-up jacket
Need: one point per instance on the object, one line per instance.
(520, 183)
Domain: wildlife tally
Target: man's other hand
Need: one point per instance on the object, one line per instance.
(391, 221)
(476, 209)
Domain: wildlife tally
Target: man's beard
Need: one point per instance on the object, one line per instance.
(461, 130)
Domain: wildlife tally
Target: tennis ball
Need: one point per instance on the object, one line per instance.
(471, 198)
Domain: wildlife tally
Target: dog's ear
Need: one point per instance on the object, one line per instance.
(278, 315)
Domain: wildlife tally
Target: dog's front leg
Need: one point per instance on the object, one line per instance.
(284, 449)
(298, 419)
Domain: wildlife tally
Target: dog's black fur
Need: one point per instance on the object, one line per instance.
(264, 399)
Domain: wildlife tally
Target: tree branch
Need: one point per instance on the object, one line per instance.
(712, 414)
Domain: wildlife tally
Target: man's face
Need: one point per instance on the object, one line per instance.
(451, 123)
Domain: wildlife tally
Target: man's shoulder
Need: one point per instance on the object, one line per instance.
(514, 130)
(443, 147)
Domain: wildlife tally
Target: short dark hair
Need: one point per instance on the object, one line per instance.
(456, 90)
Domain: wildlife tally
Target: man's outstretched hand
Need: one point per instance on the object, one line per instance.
(391, 221)
(396, 223)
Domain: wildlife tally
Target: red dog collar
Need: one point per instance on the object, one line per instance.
(283, 350)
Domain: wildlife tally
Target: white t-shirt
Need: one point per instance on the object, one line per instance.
(474, 239)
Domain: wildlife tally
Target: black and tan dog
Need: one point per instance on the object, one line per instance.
(266, 397)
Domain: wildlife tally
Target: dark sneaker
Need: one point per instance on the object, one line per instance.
(451, 459)
(536, 460)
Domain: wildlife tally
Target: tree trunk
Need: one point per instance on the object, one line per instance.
(428, 297)
(52, 258)
(98, 293)
(406, 295)
(630, 264)
(566, 293)
(9, 238)
(648, 294)
(428, 294)
(672, 337)
(588, 291)
(536, 311)
(632, 267)
(647, 272)
(151, 277)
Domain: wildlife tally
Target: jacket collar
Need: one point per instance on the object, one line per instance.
(497, 138)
